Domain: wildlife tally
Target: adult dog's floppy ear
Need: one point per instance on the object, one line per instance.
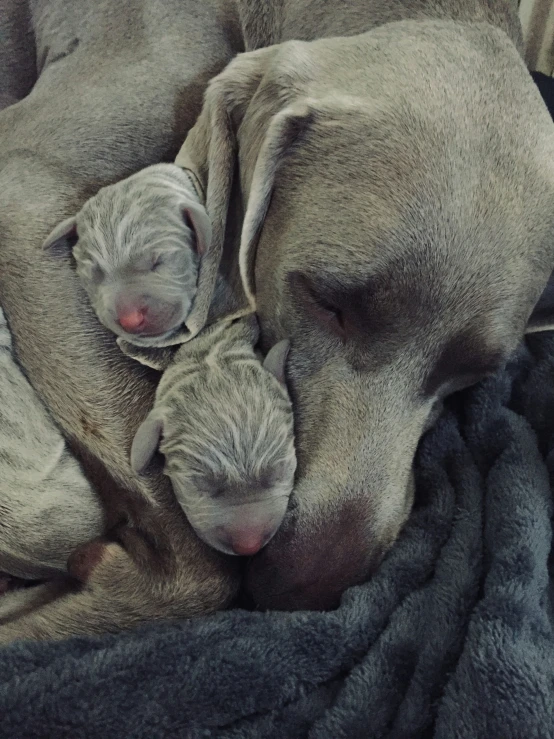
(209, 152)
(256, 101)
(542, 317)
(283, 129)
(157, 358)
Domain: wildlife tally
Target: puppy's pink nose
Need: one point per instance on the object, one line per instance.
(247, 543)
(132, 321)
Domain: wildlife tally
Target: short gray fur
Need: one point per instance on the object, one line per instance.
(384, 166)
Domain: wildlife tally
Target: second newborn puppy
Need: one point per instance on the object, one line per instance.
(226, 428)
(138, 244)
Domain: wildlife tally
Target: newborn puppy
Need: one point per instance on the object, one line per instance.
(47, 506)
(226, 428)
(137, 245)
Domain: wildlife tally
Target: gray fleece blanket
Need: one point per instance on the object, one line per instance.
(452, 638)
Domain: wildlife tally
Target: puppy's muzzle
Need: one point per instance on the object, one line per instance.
(146, 316)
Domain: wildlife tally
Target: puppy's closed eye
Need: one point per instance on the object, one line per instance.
(90, 269)
(209, 490)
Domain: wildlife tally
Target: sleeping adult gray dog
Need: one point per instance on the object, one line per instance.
(225, 424)
(399, 188)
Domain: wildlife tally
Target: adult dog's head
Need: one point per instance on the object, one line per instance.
(399, 229)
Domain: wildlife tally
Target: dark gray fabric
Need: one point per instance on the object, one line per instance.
(452, 638)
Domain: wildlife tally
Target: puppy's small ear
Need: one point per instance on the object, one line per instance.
(145, 443)
(199, 221)
(64, 231)
(276, 360)
(542, 317)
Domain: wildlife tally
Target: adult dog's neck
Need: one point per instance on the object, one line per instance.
(282, 20)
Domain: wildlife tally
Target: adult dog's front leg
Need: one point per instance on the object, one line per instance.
(115, 100)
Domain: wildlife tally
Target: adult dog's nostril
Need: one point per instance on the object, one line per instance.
(132, 320)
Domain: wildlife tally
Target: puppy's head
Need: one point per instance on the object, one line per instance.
(229, 452)
(137, 245)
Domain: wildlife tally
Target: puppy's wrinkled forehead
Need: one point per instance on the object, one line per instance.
(242, 438)
(124, 220)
